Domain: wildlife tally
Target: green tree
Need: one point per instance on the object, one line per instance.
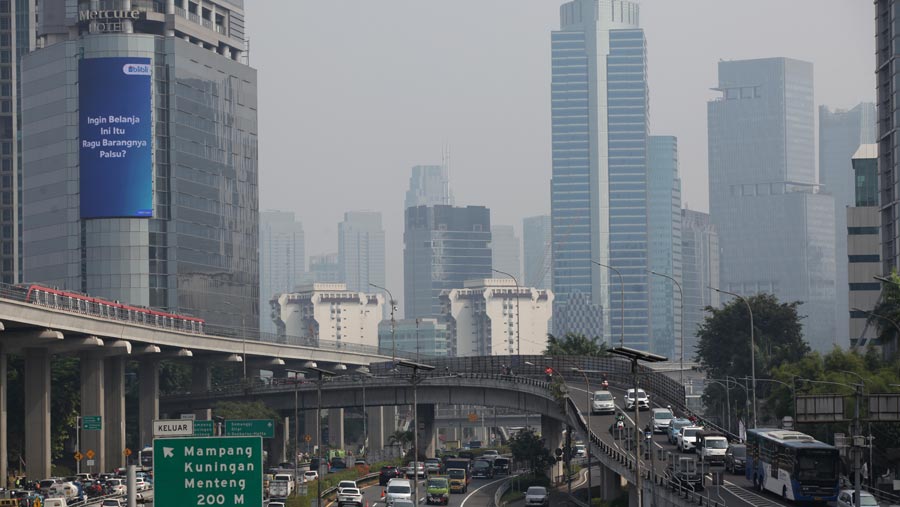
(244, 410)
(574, 344)
(723, 348)
(886, 315)
(401, 438)
(526, 447)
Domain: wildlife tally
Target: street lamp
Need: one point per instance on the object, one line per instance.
(393, 322)
(622, 284)
(727, 397)
(634, 356)
(364, 373)
(414, 380)
(297, 374)
(518, 329)
(681, 327)
(322, 375)
(243, 336)
(752, 349)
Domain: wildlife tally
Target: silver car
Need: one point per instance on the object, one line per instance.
(603, 402)
(537, 495)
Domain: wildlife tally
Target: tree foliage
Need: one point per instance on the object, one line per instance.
(723, 348)
(244, 410)
(886, 315)
(526, 447)
(574, 344)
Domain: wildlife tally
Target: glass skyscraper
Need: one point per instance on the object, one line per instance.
(665, 244)
(776, 227)
(599, 111)
(505, 247)
(887, 83)
(444, 246)
(536, 249)
(429, 185)
(361, 250)
(282, 260)
(840, 134)
(198, 252)
(700, 271)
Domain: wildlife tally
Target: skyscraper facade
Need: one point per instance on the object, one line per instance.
(444, 246)
(840, 134)
(700, 271)
(429, 185)
(776, 227)
(19, 32)
(599, 111)
(282, 260)
(361, 250)
(505, 248)
(664, 223)
(863, 248)
(887, 84)
(324, 268)
(157, 204)
(537, 252)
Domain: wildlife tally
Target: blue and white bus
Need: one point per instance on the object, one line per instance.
(793, 465)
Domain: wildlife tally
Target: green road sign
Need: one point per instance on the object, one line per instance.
(203, 428)
(91, 422)
(216, 471)
(250, 428)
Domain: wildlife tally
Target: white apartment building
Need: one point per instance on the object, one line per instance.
(328, 312)
(483, 317)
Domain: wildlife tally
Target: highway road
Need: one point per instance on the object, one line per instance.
(481, 494)
(737, 491)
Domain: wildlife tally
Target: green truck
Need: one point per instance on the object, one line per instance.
(437, 491)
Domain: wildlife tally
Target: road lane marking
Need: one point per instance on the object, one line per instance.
(466, 499)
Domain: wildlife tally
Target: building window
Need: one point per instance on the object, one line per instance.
(863, 258)
(866, 286)
(859, 231)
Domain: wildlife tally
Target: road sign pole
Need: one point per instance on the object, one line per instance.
(78, 443)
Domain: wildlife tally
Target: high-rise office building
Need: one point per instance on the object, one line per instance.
(887, 84)
(323, 268)
(664, 221)
(537, 252)
(699, 271)
(157, 202)
(840, 134)
(505, 248)
(863, 247)
(282, 260)
(429, 185)
(444, 246)
(418, 338)
(328, 312)
(18, 30)
(361, 250)
(776, 227)
(491, 316)
(599, 110)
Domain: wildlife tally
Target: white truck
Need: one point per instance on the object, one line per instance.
(279, 489)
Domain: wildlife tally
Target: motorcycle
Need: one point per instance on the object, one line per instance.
(605, 384)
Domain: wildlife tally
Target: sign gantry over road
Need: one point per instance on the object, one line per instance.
(216, 471)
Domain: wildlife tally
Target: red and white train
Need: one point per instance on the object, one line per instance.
(83, 303)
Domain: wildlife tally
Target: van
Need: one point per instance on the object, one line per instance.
(711, 447)
(55, 502)
(397, 489)
(459, 480)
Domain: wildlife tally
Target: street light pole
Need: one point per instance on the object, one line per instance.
(752, 350)
(622, 284)
(415, 379)
(518, 329)
(681, 327)
(393, 322)
(322, 373)
(296, 426)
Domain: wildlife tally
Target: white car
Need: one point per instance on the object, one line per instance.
(397, 489)
(310, 475)
(349, 496)
(845, 499)
(603, 402)
(141, 484)
(346, 484)
(687, 438)
(537, 495)
(643, 401)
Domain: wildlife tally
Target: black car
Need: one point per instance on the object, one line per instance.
(501, 466)
(387, 473)
(483, 468)
(736, 458)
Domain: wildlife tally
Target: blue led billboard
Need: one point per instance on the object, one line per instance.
(115, 155)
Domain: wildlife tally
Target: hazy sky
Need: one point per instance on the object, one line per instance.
(352, 93)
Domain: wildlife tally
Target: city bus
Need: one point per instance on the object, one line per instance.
(793, 465)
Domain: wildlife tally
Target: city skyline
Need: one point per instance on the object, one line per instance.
(437, 108)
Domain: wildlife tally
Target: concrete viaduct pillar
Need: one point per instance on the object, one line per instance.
(425, 432)
(551, 432)
(148, 403)
(310, 428)
(37, 413)
(610, 484)
(93, 404)
(375, 424)
(336, 428)
(114, 422)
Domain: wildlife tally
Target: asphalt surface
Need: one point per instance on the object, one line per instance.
(737, 490)
(480, 494)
